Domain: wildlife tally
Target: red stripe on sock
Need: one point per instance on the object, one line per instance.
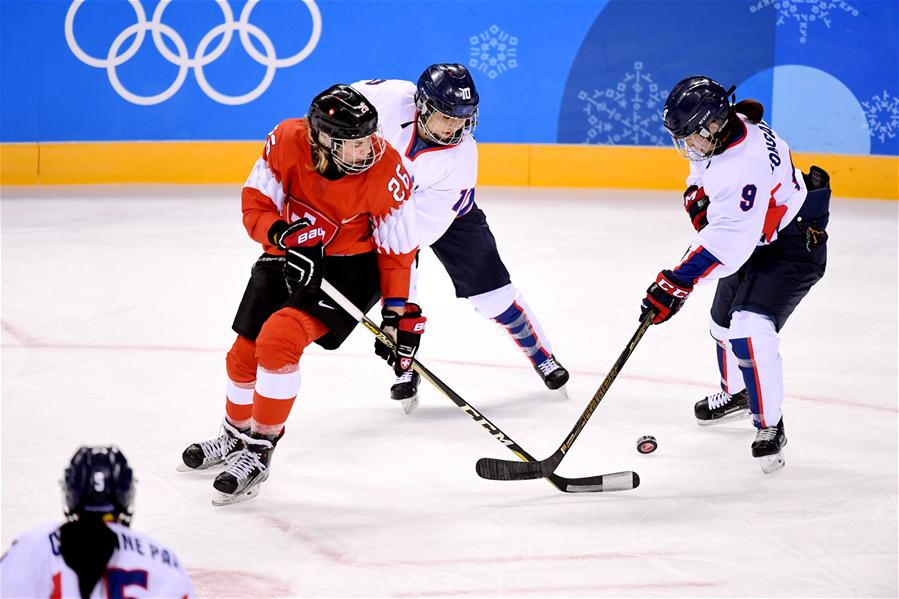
(758, 385)
(238, 412)
(271, 412)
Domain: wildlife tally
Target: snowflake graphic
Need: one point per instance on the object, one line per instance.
(493, 52)
(628, 114)
(882, 112)
(805, 12)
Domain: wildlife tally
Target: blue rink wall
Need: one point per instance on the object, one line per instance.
(581, 73)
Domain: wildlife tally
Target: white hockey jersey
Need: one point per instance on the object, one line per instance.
(754, 191)
(443, 177)
(140, 567)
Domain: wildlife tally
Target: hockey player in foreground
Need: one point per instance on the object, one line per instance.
(328, 194)
(431, 124)
(95, 553)
(760, 232)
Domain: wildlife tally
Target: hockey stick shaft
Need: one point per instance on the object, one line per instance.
(495, 469)
(604, 482)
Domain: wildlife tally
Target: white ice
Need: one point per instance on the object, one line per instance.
(117, 304)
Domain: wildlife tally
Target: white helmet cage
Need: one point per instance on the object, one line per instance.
(426, 115)
(702, 143)
(354, 156)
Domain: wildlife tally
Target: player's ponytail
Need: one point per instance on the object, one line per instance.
(86, 545)
(751, 109)
(319, 154)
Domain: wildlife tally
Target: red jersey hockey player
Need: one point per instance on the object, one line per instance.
(328, 195)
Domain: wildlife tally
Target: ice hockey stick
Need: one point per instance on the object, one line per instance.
(616, 481)
(496, 469)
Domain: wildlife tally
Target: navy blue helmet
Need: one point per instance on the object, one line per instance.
(447, 92)
(698, 108)
(339, 115)
(99, 481)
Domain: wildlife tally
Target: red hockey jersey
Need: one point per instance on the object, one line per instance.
(353, 215)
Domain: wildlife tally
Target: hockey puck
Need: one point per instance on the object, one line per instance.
(647, 444)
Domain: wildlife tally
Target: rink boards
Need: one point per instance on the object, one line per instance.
(536, 165)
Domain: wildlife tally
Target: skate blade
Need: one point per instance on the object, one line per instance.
(182, 467)
(741, 415)
(772, 463)
(213, 468)
(409, 404)
(562, 392)
(220, 499)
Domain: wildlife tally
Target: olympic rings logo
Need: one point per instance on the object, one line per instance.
(202, 57)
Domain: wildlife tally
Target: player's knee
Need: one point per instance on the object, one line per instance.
(718, 332)
(283, 338)
(240, 363)
(754, 338)
(493, 303)
(751, 324)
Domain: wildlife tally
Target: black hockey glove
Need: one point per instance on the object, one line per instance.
(304, 260)
(304, 267)
(406, 329)
(696, 203)
(665, 296)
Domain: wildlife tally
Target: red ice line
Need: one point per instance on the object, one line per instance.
(27, 342)
(506, 592)
(348, 560)
(342, 558)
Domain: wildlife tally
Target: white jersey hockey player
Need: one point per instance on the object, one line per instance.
(431, 125)
(95, 554)
(760, 226)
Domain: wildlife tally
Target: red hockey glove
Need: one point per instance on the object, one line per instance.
(298, 233)
(696, 203)
(407, 329)
(666, 296)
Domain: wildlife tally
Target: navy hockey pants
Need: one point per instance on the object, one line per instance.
(468, 252)
(778, 275)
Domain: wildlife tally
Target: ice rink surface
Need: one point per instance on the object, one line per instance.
(116, 309)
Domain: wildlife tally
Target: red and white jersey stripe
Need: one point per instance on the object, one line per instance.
(754, 190)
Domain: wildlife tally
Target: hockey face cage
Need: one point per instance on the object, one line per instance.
(702, 143)
(433, 122)
(354, 156)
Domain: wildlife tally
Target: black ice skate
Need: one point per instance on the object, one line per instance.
(554, 375)
(722, 407)
(214, 452)
(246, 471)
(768, 447)
(405, 390)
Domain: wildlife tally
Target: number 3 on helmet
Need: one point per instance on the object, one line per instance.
(98, 481)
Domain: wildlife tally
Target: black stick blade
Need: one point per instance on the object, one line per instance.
(604, 483)
(494, 469)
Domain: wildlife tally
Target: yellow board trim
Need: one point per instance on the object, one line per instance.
(537, 165)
